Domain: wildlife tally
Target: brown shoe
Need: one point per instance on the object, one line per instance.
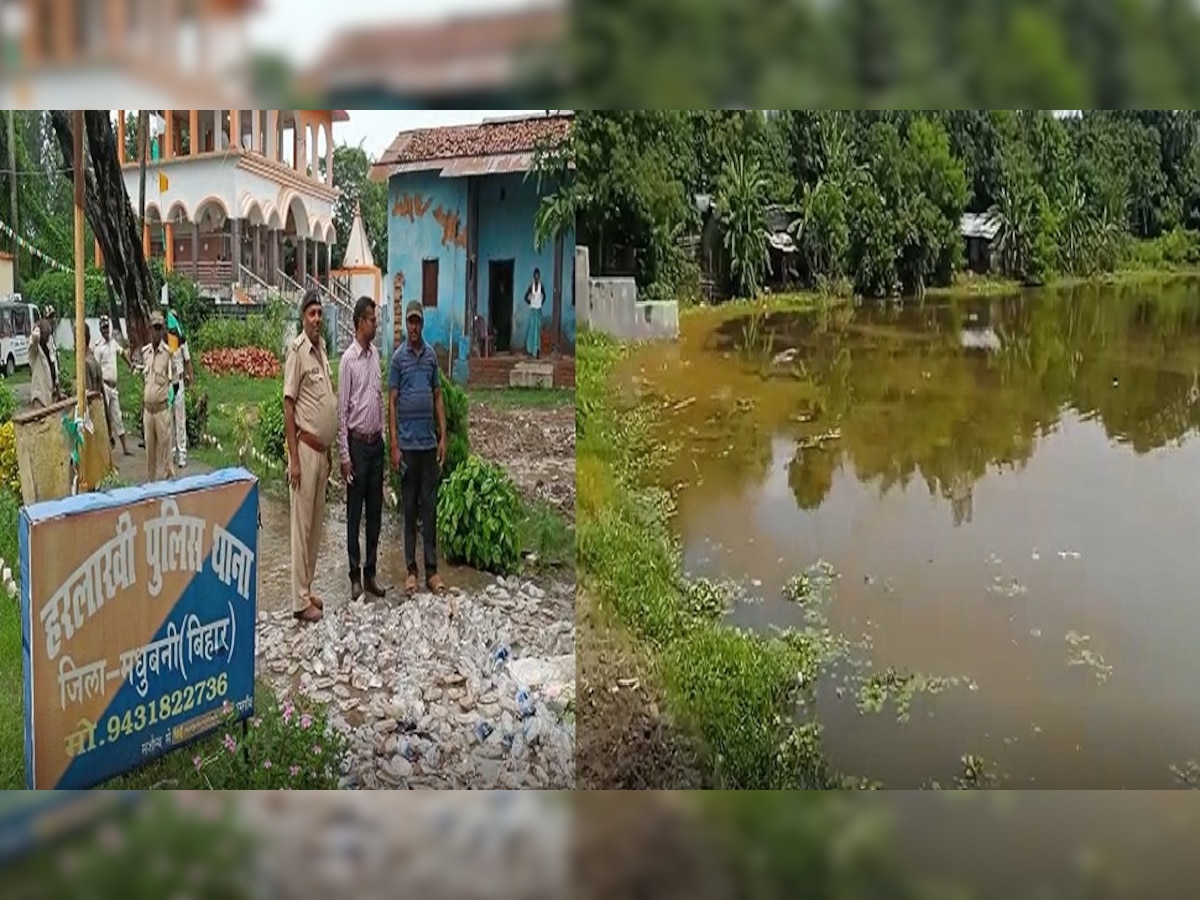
(317, 602)
(410, 585)
(312, 614)
(373, 588)
(436, 584)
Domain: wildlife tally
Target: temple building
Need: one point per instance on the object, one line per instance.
(241, 200)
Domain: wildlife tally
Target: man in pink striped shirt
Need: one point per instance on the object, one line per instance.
(360, 442)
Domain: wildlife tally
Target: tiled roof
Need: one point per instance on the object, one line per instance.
(476, 48)
(491, 138)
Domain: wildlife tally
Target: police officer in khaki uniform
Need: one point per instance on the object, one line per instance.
(310, 418)
(156, 412)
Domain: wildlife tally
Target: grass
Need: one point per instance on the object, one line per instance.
(547, 535)
(735, 692)
(512, 398)
(975, 286)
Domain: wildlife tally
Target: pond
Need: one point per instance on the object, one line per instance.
(1008, 492)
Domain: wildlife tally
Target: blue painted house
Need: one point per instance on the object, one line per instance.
(462, 203)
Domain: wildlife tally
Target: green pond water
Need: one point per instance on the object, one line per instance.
(1009, 492)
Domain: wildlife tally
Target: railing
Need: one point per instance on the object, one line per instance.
(207, 273)
(337, 289)
(345, 318)
(249, 275)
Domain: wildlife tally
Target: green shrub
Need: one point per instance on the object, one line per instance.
(66, 373)
(8, 403)
(227, 333)
(10, 472)
(269, 432)
(192, 309)
(58, 289)
(286, 747)
(213, 853)
(458, 444)
(477, 516)
(1176, 248)
(196, 410)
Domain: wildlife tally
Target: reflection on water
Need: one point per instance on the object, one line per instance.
(1008, 489)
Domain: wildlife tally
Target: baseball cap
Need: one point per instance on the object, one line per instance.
(156, 318)
(311, 297)
(414, 308)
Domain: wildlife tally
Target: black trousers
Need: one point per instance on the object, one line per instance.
(418, 494)
(367, 463)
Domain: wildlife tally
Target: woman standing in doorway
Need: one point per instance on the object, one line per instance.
(535, 296)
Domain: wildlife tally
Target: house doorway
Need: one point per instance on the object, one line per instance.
(500, 302)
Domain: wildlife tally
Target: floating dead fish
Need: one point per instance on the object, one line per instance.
(1069, 554)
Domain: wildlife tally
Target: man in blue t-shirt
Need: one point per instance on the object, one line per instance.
(418, 447)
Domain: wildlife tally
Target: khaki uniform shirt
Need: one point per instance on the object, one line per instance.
(158, 376)
(307, 381)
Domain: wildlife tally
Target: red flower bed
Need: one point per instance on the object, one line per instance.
(252, 361)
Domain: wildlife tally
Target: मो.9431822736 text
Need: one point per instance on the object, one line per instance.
(145, 715)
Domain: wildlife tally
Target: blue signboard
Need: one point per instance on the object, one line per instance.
(138, 609)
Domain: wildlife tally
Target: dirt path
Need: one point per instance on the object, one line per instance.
(536, 445)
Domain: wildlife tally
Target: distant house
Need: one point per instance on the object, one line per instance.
(979, 231)
(509, 58)
(461, 240)
(713, 255)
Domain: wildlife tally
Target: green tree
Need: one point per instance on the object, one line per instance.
(351, 174)
(742, 206)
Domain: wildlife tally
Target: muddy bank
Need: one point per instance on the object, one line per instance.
(624, 740)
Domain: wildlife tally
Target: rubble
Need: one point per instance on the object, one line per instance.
(481, 698)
